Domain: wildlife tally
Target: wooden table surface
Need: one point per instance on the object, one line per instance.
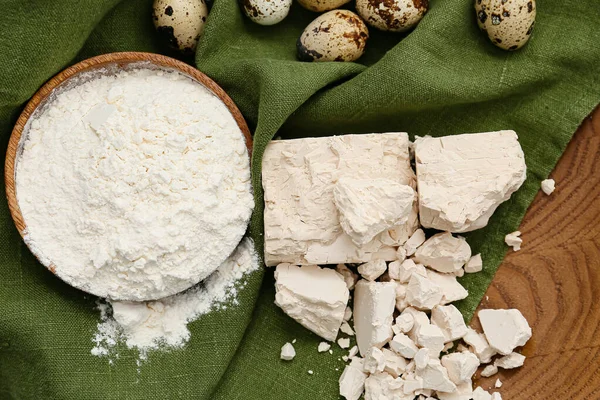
(555, 281)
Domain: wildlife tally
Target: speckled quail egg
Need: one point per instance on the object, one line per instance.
(338, 35)
(322, 5)
(181, 22)
(266, 12)
(392, 15)
(508, 23)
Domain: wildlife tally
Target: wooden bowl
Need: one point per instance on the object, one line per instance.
(116, 61)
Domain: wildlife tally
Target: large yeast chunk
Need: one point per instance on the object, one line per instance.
(302, 223)
(374, 304)
(462, 179)
(315, 297)
(504, 329)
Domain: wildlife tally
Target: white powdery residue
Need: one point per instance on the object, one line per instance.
(133, 185)
(164, 323)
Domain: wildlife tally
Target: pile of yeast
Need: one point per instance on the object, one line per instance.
(353, 201)
(134, 185)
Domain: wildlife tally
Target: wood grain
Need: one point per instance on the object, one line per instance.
(555, 281)
(117, 61)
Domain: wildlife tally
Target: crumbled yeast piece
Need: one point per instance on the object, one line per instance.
(394, 363)
(430, 337)
(368, 207)
(498, 383)
(457, 191)
(435, 377)
(548, 186)
(412, 383)
(513, 240)
(405, 322)
(475, 264)
(352, 382)
(513, 360)
(480, 346)
(452, 290)
(353, 352)
(404, 346)
(461, 366)
(407, 268)
(382, 386)
(489, 370)
(323, 347)
(315, 297)
(444, 252)
(372, 269)
(459, 273)
(480, 394)
(347, 314)
(401, 302)
(374, 361)
(450, 321)
(422, 292)
(496, 396)
(400, 254)
(349, 277)
(394, 270)
(464, 391)
(419, 319)
(344, 343)
(410, 367)
(421, 358)
(374, 304)
(345, 328)
(504, 329)
(287, 352)
(416, 239)
(302, 223)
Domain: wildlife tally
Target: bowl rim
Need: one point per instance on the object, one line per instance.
(121, 59)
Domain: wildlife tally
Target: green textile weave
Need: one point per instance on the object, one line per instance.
(443, 78)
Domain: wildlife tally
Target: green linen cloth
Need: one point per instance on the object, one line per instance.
(443, 78)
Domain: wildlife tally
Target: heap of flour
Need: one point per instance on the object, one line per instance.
(134, 186)
(164, 323)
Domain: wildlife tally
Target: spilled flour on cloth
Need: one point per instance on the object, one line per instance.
(163, 324)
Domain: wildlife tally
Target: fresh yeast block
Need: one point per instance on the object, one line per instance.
(462, 179)
(302, 220)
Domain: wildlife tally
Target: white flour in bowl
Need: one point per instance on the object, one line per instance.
(135, 185)
(163, 324)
